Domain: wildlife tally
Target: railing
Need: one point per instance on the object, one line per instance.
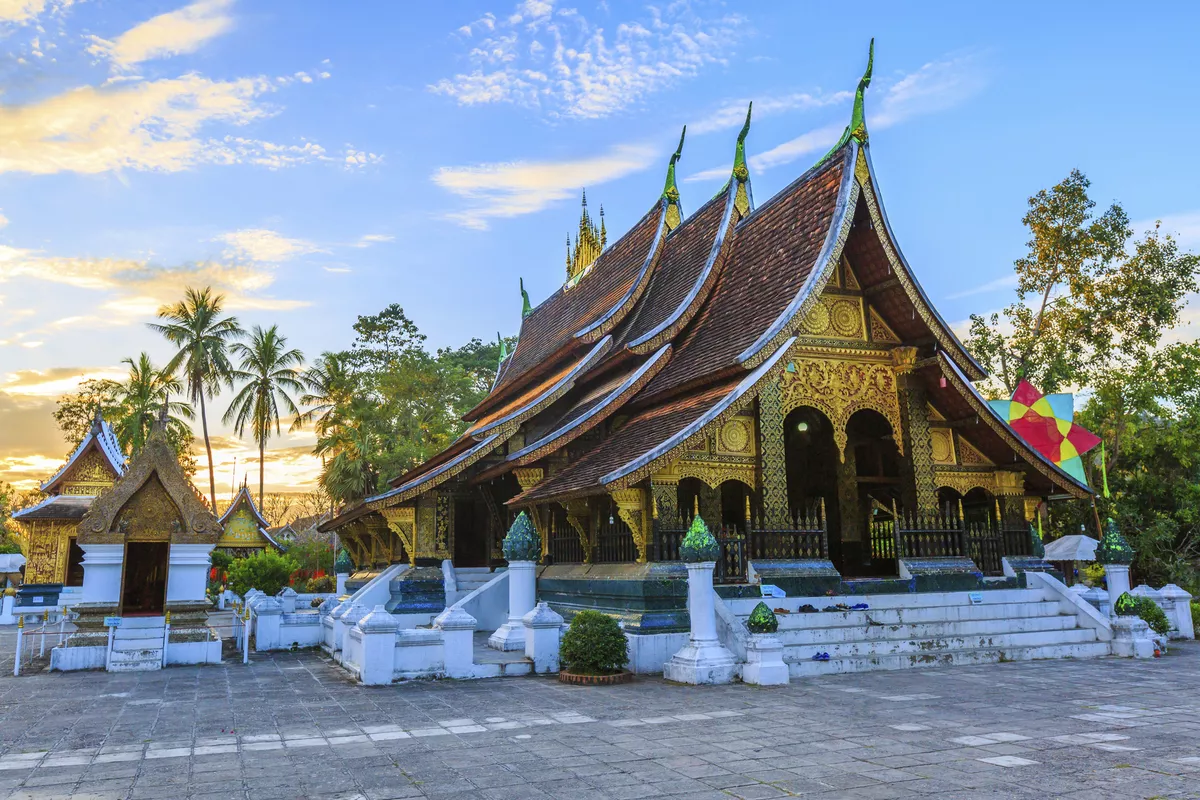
(731, 563)
(614, 542)
(945, 534)
(804, 534)
(564, 544)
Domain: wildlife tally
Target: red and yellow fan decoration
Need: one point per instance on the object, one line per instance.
(1046, 423)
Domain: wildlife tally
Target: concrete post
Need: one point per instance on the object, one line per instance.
(764, 661)
(336, 615)
(522, 593)
(378, 632)
(1117, 576)
(266, 624)
(287, 599)
(543, 627)
(340, 587)
(1181, 613)
(1132, 638)
(458, 632)
(6, 609)
(703, 659)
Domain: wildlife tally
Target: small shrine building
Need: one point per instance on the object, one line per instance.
(47, 530)
(243, 528)
(774, 367)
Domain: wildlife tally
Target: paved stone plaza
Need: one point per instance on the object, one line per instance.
(295, 726)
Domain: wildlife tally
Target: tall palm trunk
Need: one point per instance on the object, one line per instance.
(262, 447)
(212, 481)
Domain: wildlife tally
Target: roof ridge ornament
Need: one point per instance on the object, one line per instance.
(857, 129)
(671, 189)
(741, 173)
(503, 350)
(526, 307)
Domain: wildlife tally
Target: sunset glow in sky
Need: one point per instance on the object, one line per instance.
(315, 161)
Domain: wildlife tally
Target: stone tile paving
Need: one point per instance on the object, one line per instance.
(294, 726)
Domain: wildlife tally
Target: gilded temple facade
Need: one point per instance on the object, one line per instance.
(47, 529)
(776, 369)
(243, 528)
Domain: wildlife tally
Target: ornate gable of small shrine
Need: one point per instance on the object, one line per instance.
(153, 500)
(91, 474)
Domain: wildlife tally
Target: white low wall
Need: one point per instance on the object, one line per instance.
(488, 604)
(192, 652)
(67, 659)
(419, 653)
(648, 654)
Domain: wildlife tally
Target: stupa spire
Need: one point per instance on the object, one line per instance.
(589, 243)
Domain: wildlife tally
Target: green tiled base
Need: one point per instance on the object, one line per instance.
(647, 598)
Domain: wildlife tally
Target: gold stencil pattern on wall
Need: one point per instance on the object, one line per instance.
(943, 446)
(839, 389)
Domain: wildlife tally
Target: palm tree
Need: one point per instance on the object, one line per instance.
(349, 474)
(141, 398)
(330, 391)
(196, 327)
(270, 371)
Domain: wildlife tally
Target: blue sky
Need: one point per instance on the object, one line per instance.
(318, 161)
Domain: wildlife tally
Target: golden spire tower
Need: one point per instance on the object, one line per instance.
(589, 243)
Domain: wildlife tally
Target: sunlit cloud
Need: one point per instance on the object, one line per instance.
(373, 238)
(184, 30)
(22, 12)
(263, 245)
(54, 382)
(523, 187)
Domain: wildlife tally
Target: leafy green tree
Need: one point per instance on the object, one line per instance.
(311, 555)
(203, 336)
(75, 411)
(1086, 299)
(266, 571)
(270, 371)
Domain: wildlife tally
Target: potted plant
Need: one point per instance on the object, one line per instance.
(764, 651)
(594, 651)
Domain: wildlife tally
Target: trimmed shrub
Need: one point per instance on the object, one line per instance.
(1195, 616)
(762, 620)
(221, 560)
(594, 645)
(320, 585)
(266, 571)
(1129, 605)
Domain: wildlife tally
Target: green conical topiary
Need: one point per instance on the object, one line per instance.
(1037, 547)
(1113, 549)
(762, 620)
(522, 542)
(343, 565)
(699, 545)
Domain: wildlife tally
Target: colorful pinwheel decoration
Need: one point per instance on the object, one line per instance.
(1046, 424)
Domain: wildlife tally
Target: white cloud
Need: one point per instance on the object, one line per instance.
(137, 288)
(732, 115)
(1006, 282)
(562, 63)
(356, 159)
(337, 270)
(147, 125)
(184, 30)
(523, 187)
(936, 86)
(373, 238)
(54, 381)
(3, 220)
(264, 246)
(21, 12)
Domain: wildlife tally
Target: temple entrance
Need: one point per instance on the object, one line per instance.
(75, 564)
(144, 584)
(812, 473)
(876, 470)
(471, 546)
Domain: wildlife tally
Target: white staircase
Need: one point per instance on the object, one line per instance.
(901, 631)
(471, 578)
(138, 645)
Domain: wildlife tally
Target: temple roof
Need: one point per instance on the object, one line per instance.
(59, 506)
(582, 314)
(243, 498)
(99, 437)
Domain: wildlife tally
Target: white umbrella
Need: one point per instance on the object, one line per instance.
(1075, 547)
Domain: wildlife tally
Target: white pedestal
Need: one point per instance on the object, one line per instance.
(102, 572)
(543, 628)
(1132, 638)
(764, 661)
(703, 659)
(187, 573)
(458, 647)
(378, 633)
(522, 593)
(1181, 621)
(6, 610)
(340, 587)
(1117, 577)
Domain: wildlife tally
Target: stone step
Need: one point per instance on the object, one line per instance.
(135, 634)
(134, 623)
(937, 646)
(134, 645)
(988, 655)
(915, 616)
(743, 606)
(931, 630)
(142, 665)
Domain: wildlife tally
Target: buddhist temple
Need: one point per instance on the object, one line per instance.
(243, 528)
(774, 368)
(146, 546)
(47, 529)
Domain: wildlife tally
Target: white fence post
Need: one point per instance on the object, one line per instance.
(166, 635)
(108, 652)
(45, 622)
(246, 637)
(20, 632)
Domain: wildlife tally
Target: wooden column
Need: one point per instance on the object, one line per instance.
(920, 488)
(772, 459)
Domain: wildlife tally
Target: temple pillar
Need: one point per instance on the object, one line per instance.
(1010, 497)
(772, 459)
(579, 518)
(631, 507)
(710, 506)
(527, 478)
(852, 515)
(664, 493)
(402, 522)
(920, 486)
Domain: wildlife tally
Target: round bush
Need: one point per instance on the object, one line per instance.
(320, 585)
(1129, 605)
(594, 645)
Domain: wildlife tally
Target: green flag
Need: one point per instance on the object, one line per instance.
(1104, 470)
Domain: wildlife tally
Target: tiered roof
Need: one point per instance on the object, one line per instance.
(673, 327)
(93, 466)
